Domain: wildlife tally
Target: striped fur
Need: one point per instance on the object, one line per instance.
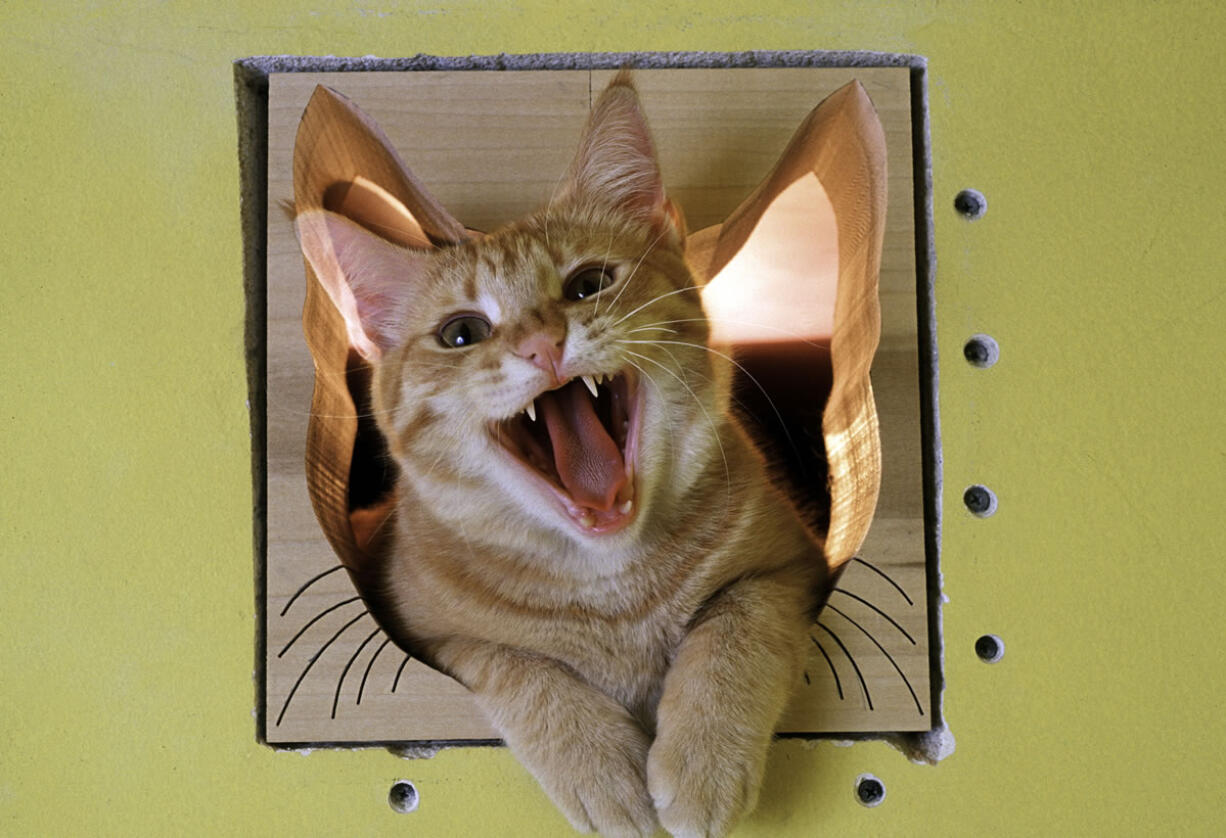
(638, 675)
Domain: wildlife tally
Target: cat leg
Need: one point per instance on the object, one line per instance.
(732, 677)
(586, 751)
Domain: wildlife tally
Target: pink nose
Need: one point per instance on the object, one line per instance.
(543, 351)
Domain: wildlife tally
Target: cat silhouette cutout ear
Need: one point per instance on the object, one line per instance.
(358, 210)
(616, 162)
(791, 281)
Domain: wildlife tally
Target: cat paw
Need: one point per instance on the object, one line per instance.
(701, 787)
(604, 790)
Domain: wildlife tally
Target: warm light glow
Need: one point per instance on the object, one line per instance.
(793, 259)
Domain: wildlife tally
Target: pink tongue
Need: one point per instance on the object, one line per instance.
(587, 458)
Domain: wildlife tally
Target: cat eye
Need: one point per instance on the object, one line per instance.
(463, 330)
(587, 281)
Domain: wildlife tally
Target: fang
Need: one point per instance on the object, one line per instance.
(590, 384)
(531, 410)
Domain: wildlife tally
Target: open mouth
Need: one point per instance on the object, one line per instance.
(579, 440)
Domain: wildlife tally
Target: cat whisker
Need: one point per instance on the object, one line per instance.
(637, 265)
(340, 682)
(370, 664)
(653, 301)
(315, 620)
(311, 663)
(884, 576)
(308, 584)
(888, 656)
(672, 433)
(714, 428)
(838, 684)
(860, 675)
(651, 329)
(888, 618)
(797, 336)
(604, 263)
(748, 374)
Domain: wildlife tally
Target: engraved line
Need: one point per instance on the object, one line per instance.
(884, 576)
(341, 680)
(308, 584)
(311, 663)
(398, 671)
(888, 656)
(369, 666)
(838, 685)
(854, 666)
(315, 620)
(879, 611)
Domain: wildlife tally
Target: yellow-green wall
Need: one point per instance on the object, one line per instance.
(1095, 130)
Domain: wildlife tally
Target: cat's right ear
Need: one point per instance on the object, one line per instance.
(616, 162)
(367, 277)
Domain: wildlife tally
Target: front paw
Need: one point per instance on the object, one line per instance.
(600, 785)
(701, 782)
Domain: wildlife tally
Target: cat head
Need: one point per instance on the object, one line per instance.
(554, 371)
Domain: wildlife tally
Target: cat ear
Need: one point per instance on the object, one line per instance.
(366, 276)
(616, 162)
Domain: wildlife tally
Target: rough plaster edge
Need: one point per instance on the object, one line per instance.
(251, 93)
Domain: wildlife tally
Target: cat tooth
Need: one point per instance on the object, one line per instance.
(531, 410)
(590, 384)
(587, 521)
(626, 507)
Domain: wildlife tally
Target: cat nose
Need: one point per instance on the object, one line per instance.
(543, 351)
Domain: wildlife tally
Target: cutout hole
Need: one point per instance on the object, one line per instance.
(981, 351)
(402, 797)
(990, 648)
(970, 204)
(980, 500)
(870, 791)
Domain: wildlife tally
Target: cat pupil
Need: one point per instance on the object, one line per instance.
(463, 331)
(587, 282)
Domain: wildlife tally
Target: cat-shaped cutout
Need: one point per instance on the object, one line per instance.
(365, 190)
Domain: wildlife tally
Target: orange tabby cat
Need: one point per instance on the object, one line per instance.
(584, 538)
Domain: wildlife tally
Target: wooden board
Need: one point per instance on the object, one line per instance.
(718, 133)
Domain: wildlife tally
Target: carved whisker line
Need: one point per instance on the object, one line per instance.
(311, 663)
(403, 664)
(807, 681)
(714, 429)
(340, 682)
(888, 657)
(653, 301)
(838, 684)
(369, 666)
(315, 620)
(854, 665)
(748, 374)
(879, 611)
(308, 584)
(884, 576)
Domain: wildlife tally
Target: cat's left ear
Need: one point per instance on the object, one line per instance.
(616, 163)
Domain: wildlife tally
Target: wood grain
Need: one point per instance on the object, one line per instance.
(492, 146)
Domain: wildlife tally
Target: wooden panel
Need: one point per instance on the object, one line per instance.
(718, 132)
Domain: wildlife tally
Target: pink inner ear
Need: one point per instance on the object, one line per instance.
(780, 286)
(367, 277)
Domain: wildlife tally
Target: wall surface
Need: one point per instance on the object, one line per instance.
(1095, 131)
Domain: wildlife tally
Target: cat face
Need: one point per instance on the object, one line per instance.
(554, 370)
